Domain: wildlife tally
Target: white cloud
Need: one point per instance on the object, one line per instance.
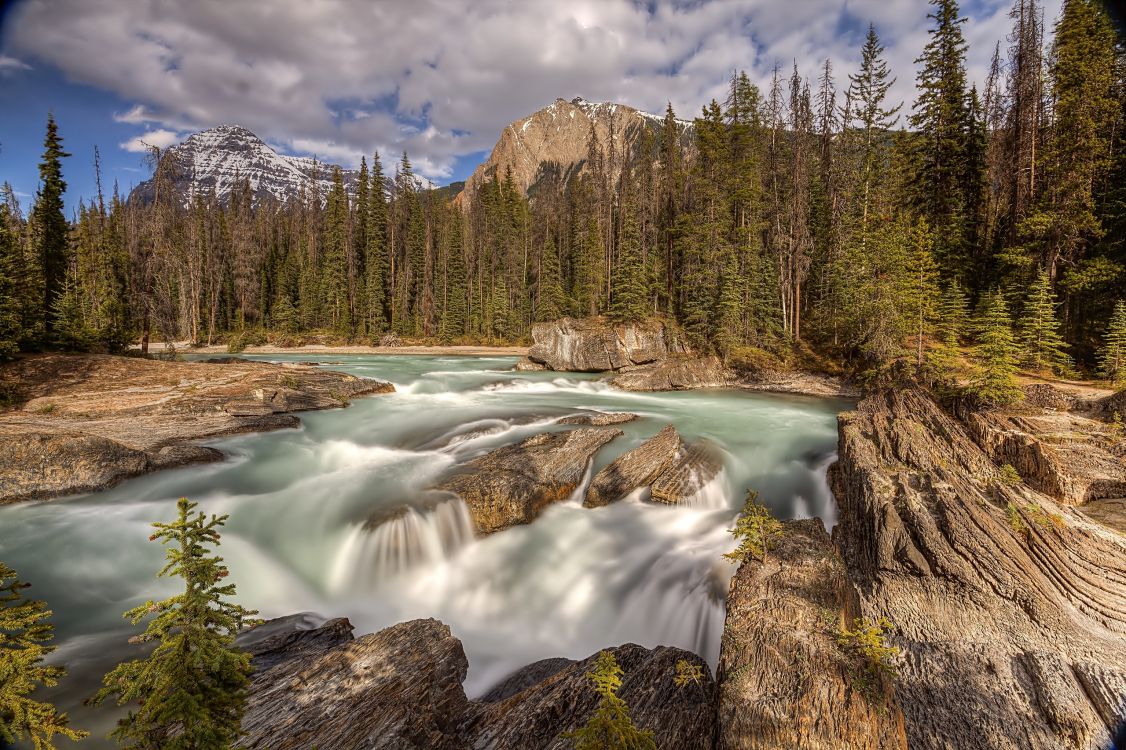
(11, 66)
(159, 138)
(440, 78)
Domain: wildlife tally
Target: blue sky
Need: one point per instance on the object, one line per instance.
(439, 78)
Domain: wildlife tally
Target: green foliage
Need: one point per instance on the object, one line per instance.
(25, 635)
(52, 231)
(755, 530)
(1008, 476)
(874, 659)
(1112, 361)
(1040, 339)
(610, 726)
(1016, 521)
(1117, 428)
(244, 338)
(628, 294)
(190, 693)
(996, 358)
(687, 673)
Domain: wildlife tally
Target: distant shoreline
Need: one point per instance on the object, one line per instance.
(315, 349)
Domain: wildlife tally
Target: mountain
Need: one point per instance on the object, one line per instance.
(221, 157)
(553, 143)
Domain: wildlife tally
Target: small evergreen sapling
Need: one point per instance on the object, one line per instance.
(867, 644)
(996, 356)
(190, 693)
(1112, 362)
(755, 531)
(610, 726)
(24, 635)
(1040, 339)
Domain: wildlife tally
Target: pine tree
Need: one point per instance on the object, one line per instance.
(920, 291)
(335, 280)
(52, 229)
(610, 726)
(950, 327)
(455, 314)
(376, 252)
(26, 633)
(996, 357)
(11, 265)
(550, 303)
(1039, 336)
(726, 329)
(629, 296)
(190, 692)
(1112, 362)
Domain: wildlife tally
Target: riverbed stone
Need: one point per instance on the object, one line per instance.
(696, 464)
(511, 485)
(634, 469)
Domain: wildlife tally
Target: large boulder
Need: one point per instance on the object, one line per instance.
(511, 485)
(784, 681)
(1010, 608)
(674, 374)
(400, 689)
(696, 464)
(634, 469)
(595, 345)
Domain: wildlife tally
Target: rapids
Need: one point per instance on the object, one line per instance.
(574, 581)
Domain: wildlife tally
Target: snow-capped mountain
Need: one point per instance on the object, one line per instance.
(219, 158)
(553, 143)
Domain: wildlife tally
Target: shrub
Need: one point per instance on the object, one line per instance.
(755, 530)
(1008, 476)
(687, 672)
(610, 726)
(874, 659)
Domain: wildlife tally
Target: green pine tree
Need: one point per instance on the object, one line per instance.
(52, 229)
(1039, 335)
(920, 289)
(629, 297)
(610, 726)
(455, 314)
(24, 637)
(190, 693)
(726, 333)
(1112, 360)
(950, 327)
(11, 266)
(375, 235)
(335, 280)
(551, 302)
(996, 357)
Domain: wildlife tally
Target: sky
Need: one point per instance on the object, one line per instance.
(438, 78)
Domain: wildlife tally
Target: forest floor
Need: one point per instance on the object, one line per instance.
(317, 349)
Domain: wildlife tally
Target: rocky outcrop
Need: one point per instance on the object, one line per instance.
(89, 421)
(804, 383)
(696, 464)
(511, 485)
(634, 469)
(674, 374)
(598, 419)
(1010, 608)
(595, 345)
(783, 680)
(400, 689)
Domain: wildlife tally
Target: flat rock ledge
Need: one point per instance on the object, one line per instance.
(675, 374)
(634, 469)
(86, 422)
(511, 485)
(400, 689)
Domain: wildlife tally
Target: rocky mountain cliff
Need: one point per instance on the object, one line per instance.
(219, 158)
(553, 143)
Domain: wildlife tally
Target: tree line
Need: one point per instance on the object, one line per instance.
(813, 213)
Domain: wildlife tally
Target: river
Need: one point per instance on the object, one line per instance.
(575, 580)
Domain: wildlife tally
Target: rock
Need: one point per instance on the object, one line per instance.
(526, 677)
(598, 419)
(1056, 452)
(225, 360)
(674, 374)
(390, 340)
(98, 419)
(527, 365)
(511, 485)
(1047, 396)
(783, 681)
(696, 464)
(634, 469)
(1110, 512)
(400, 689)
(1010, 609)
(681, 718)
(396, 689)
(594, 345)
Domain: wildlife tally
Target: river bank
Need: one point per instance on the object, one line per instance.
(472, 350)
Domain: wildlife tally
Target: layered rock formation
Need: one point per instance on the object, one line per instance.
(784, 682)
(89, 421)
(511, 485)
(695, 465)
(634, 469)
(674, 374)
(553, 144)
(1009, 607)
(401, 689)
(594, 345)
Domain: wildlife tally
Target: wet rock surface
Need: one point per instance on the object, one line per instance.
(511, 485)
(783, 680)
(595, 345)
(86, 422)
(1010, 607)
(598, 419)
(674, 374)
(696, 464)
(635, 468)
(401, 688)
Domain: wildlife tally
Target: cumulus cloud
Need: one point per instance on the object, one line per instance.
(440, 78)
(159, 138)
